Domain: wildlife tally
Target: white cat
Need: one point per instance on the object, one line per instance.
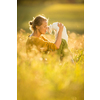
(55, 27)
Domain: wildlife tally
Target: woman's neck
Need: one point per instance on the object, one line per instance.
(35, 33)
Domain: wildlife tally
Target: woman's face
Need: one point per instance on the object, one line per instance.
(42, 29)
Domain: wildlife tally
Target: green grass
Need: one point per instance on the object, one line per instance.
(71, 15)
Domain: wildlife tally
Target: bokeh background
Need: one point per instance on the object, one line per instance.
(44, 77)
(68, 12)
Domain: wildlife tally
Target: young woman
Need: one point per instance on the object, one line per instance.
(39, 26)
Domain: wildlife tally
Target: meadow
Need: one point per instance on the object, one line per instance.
(45, 77)
(50, 79)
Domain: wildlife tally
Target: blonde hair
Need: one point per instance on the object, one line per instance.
(37, 21)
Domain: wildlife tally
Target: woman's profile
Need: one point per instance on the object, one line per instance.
(39, 26)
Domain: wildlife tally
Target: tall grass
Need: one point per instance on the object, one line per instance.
(44, 77)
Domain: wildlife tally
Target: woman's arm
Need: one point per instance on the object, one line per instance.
(58, 40)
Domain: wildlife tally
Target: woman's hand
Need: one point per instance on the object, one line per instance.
(60, 25)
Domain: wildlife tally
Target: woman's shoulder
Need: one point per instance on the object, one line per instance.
(32, 39)
(41, 36)
(44, 38)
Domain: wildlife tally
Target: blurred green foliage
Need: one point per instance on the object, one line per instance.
(71, 15)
